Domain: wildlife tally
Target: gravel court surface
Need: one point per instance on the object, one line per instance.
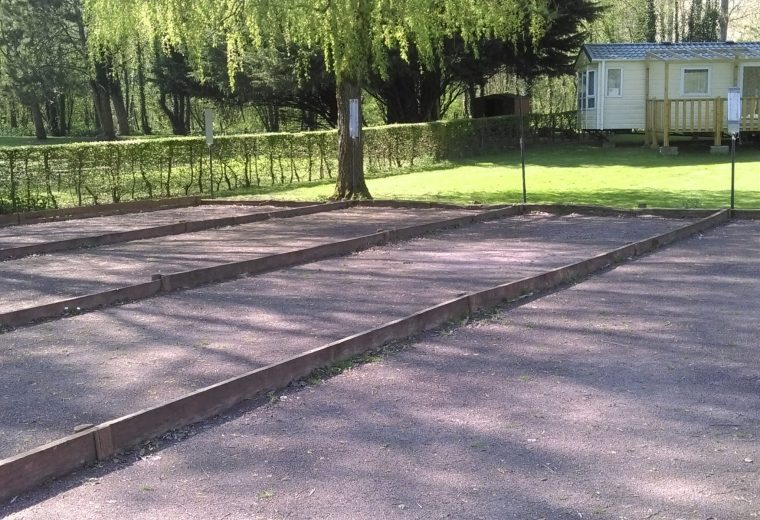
(632, 395)
(43, 279)
(98, 366)
(15, 236)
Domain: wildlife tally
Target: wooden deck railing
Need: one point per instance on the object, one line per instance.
(696, 116)
(751, 114)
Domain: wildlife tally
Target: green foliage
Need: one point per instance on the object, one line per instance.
(703, 21)
(353, 35)
(36, 62)
(38, 177)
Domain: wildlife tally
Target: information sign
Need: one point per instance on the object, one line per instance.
(209, 122)
(353, 118)
(734, 110)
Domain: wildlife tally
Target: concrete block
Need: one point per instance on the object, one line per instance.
(668, 150)
(719, 150)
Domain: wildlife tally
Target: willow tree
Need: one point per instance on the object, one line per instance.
(353, 35)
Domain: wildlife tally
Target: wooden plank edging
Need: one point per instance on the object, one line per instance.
(23, 472)
(228, 271)
(162, 231)
(102, 210)
(555, 209)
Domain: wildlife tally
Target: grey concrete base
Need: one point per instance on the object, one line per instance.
(668, 150)
(719, 150)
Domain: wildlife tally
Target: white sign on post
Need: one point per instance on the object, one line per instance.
(209, 122)
(353, 118)
(734, 110)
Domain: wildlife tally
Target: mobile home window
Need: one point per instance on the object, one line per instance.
(696, 81)
(587, 90)
(614, 82)
(591, 90)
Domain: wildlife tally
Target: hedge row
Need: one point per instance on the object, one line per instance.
(40, 177)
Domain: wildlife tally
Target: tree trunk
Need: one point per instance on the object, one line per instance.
(723, 20)
(102, 98)
(39, 123)
(188, 115)
(63, 116)
(350, 183)
(51, 108)
(144, 123)
(651, 21)
(56, 115)
(677, 36)
(104, 115)
(177, 115)
(119, 107)
(70, 114)
(469, 100)
(12, 114)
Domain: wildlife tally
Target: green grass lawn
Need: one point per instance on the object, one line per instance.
(624, 177)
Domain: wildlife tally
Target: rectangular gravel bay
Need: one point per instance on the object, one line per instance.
(97, 366)
(43, 279)
(633, 395)
(16, 236)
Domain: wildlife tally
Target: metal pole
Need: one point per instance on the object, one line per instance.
(522, 148)
(522, 157)
(354, 173)
(211, 170)
(733, 166)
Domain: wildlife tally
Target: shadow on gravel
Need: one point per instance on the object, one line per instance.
(627, 395)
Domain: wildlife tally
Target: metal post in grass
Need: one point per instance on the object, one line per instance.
(522, 146)
(209, 124)
(733, 167)
(734, 127)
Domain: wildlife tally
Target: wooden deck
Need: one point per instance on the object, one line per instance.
(696, 116)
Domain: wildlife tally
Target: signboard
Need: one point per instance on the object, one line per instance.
(353, 118)
(734, 110)
(209, 123)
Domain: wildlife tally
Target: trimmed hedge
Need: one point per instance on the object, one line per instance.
(41, 177)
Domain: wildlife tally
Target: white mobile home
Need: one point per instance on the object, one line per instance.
(666, 88)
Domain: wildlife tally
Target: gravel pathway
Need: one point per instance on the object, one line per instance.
(633, 395)
(15, 236)
(98, 366)
(42, 279)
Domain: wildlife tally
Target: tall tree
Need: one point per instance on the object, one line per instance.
(141, 81)
(703, 21)
(35, 59)
(354, 36)
(651, 22)
(272, 78)
(723, 20)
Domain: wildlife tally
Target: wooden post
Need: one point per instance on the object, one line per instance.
(718, 120)
(656, 116)
(666, 109)
(647, 121)
(648, 115)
